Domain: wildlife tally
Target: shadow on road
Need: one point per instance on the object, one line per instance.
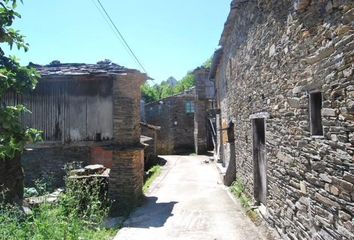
(151, 214)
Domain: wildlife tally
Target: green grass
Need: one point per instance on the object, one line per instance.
(153, 173)
(48, 222)
(238, 190)
(78, 215)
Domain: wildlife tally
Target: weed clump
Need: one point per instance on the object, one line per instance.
(238, 189)
(78, 214)
(150, 177)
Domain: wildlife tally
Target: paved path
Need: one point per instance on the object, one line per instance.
(187, 202)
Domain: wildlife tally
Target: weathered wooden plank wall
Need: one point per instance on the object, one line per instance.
(69, 110)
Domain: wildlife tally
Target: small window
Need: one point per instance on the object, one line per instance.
(190, 107)
(315, 103)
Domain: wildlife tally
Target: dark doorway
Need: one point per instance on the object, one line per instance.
(259, 161)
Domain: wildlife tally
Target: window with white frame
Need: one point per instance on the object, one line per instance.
(190, 107)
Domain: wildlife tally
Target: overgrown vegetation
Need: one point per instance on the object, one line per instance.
(78, 214)
(41, 188)
(13, 78)
(152, 174)
(238, 189)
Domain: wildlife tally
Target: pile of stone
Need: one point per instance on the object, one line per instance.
(91, 179)
(90, 171)
(51, 198)
(86, 174)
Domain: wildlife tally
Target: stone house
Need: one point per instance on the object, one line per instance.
(89, 113)
(184, 118)
(285, 92)
(175, 116)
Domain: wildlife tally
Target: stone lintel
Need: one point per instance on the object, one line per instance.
(259, 115)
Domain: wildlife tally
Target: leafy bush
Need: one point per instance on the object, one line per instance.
(41, 187)
(78, 214)
(87, 199)
(13, 78)
(30, 192)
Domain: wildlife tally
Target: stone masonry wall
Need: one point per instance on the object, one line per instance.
(126, 183)
(177, 126)
(48, 163)
(275, 54)
(204, 93)
(158, 114)
(126, 176)
(126, 109)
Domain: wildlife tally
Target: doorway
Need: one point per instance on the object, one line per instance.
(259, 161)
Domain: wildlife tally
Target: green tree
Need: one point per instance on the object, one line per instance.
(149, 93)
(207, 63)
(186, 83)
(166, 90)
(13, 78)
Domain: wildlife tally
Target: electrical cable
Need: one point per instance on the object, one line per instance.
(125, 43)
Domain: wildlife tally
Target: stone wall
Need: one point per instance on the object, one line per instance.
(126, 109)
(205, 93)
(275, 54)
(127, 173)
(149, 139)
(177, 126)
(48, 163)
(126, 182)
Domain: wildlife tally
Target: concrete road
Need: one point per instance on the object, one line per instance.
(188, 202)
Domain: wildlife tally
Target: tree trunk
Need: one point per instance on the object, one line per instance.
(11, 180)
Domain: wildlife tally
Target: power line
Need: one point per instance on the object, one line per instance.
(120, 35)
(111, 27)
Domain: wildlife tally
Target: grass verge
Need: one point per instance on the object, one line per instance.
(48, 222)
(238, 190)
(77, 215)
(152, 174)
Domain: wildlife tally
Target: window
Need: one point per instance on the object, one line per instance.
(230, 68)
(315, 103)
(190, 107)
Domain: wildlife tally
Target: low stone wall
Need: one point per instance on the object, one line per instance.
(48, 163)
(149, 139)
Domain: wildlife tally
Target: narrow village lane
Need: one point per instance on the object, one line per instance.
(188, 202)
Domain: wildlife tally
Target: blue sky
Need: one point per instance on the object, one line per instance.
(169, 37)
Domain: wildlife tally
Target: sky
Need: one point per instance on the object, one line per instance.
(168, 37)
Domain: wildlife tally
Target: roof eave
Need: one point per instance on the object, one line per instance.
(215, 63)
(229, 24)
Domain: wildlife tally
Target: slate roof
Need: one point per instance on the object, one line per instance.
(102, 68)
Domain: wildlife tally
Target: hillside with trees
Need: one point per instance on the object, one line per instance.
(165, 89)
(151, 93)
